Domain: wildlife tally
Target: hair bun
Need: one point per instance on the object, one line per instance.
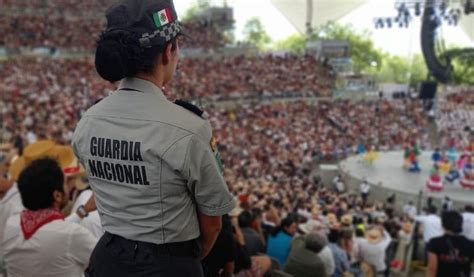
(112, 59)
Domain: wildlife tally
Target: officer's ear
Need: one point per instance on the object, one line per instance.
(167, 54)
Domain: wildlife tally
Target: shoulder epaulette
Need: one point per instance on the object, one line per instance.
(190, 107)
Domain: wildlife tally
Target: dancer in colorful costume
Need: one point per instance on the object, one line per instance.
(467, 181)
(435, 182)
(411, 158)
(371, 156)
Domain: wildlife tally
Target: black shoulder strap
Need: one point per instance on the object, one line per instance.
(190, 107)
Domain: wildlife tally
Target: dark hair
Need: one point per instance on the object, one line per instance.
(119, 55)
(432, 209)
(285, 223)
(469, 208)
(38, 181)
(245, 219)
(359, 232)
(315, 242)
(334, 235)
(452, 221)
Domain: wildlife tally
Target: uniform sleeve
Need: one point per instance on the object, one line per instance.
(205, 181)
(81, 244)
(76, 140)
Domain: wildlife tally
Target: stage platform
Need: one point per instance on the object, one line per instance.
(387, 175)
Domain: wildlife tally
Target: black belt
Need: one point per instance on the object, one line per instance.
(190, 248)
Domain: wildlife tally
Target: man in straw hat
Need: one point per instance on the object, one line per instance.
(373, 248)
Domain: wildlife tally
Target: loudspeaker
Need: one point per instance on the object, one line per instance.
(428, 90)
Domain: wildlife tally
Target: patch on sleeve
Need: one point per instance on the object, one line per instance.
(217, 155)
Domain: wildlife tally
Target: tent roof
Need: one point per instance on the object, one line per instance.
(327, 10)
(467, 24)
(323, 11)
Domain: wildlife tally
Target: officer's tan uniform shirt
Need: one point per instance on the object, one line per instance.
(150, 164)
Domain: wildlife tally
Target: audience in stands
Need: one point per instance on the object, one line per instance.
(56, 28)
(455, 117)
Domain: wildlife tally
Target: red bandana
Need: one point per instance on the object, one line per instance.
(31, 221)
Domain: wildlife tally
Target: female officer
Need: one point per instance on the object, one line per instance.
(159, 190)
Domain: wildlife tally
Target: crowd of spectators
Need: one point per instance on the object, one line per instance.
(67, 32)
(45, 102)
(250, 77)
(300, 227)
(455, 116)
(275, 141)
(38, 96)
(64, 7)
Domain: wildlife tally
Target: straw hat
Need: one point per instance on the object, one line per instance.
(331, 218)
(310, 226)
(76, 170)
(346, 219)
(41, 149)
(373, 235)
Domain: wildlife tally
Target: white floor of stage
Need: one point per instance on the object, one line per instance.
(387, 171)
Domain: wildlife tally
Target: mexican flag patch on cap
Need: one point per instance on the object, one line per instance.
(162, 17)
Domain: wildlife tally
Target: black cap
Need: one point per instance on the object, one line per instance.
(155, 21)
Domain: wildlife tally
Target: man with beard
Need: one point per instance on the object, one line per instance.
(38, 241)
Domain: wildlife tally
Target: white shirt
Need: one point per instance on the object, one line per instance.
(364, 188)
(92, 221)
(10, 205)
(374, 253)
(431, 226)
(58, 249)
(468, 225)
(328, 260)
(409, 210)
(340, 186)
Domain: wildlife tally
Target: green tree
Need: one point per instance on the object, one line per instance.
(400, 69)
(191, 12)
(295, 43)
(463, 63)
(363, 52)
(255, 33)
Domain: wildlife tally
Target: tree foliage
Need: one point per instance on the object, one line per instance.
(295, 43)
(463, 63)
(191, 12)
(399, 69)
(255, 33)
(362, 49)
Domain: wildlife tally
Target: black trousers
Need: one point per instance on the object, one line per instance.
(116, 256)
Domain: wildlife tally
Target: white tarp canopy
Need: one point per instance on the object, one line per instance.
(322, 10)
(467, 24)
(331, 10)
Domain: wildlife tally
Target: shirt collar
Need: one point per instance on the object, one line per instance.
(10, 193)
(142, 86)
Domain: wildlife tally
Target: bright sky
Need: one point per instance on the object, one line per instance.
(395, 40)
